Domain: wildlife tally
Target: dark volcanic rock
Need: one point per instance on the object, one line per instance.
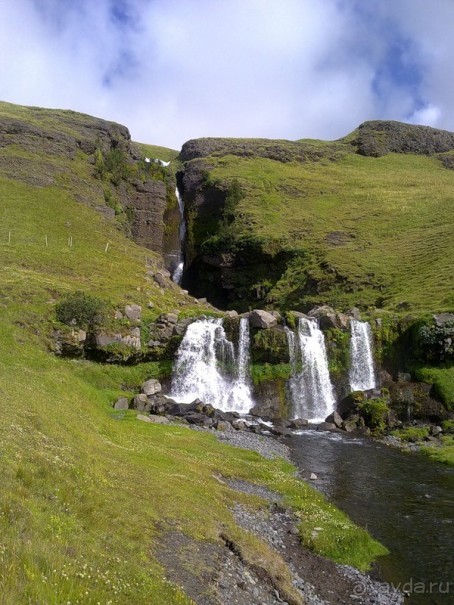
(377, 138)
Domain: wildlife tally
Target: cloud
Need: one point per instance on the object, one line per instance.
(173, 70)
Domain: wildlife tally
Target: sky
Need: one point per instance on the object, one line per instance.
(173, 70)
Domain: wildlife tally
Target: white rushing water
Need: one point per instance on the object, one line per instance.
(205, 368)
(362, 371)
(178, 273)
(310, 386)
(240, 397)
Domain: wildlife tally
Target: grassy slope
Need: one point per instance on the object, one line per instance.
(85, 488)
(396, 213)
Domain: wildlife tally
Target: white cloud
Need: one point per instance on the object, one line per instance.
(173, 69)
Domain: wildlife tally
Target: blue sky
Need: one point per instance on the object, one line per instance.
(172, 70)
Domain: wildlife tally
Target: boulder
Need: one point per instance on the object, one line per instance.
(179, 329)
(298, 423)
(133, 312)
(199, 419)
(262, 319)
(355, 313)
(160, 280)
(326, 426)
(103, 340)
(122, 403)
(143, 418)
(328, 321)
(349, 405)
(349, 426)
(335, 418)
(239, 425)
(79, 336)
(318, 312)
(141, 403)
(222, 425)
(158, 419)
(280, 431)
(151, 387)
(443, 318)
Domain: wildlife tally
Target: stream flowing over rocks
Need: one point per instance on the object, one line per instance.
(228, 579)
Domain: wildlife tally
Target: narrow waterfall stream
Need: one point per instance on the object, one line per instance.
(310, 388)
(208, 369)
(240, 397)
(362, 371)
(178, 273)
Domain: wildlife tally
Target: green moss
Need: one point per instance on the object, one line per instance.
(338, 346)
(265, 372)
(412, 433)
(442, 380)
(270, 346)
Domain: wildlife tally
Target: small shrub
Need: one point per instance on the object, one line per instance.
(374, 412)
(81, 310)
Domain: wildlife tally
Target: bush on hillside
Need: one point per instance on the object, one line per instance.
(81, 310)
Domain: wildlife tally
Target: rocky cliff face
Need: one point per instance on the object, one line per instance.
(306, 230)
(93, 158)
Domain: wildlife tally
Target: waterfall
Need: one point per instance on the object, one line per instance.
(310, 387)
(205, 364)
(240, 398)
(178, 273)
(362, 372)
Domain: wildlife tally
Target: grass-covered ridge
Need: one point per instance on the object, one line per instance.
(359, 230)
(85, 488)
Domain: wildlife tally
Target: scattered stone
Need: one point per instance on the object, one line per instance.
(349, 426)
(122, 403)
(158, 419)
(141, 403)
(150, 305)
(79, 336)
(143, 418)
(298, 423)
(151, 387)
(326, 426)
(133, 312)
(335, 418)
(118, 315)
(262, 319)
(239, 425)
(160, 280)
(443, 318)
(222, 425)
(313, 477)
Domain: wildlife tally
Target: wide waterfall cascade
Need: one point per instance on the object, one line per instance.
(310, 385)
(362, 371)
(178, 273)
(206, 367)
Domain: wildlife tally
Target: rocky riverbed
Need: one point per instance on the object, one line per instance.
(217, 574)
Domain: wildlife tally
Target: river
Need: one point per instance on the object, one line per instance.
(404, 499)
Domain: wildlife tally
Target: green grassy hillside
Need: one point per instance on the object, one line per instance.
(354, 229)
(86, 490)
